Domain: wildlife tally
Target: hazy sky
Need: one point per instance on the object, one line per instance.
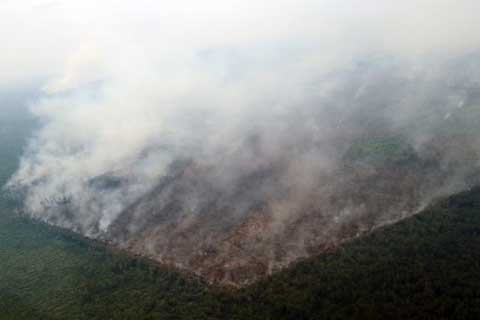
(67, 42)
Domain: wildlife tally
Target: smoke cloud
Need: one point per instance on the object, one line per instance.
(308, 117)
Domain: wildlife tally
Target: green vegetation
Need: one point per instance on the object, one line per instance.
(49, 274)
(425, 267)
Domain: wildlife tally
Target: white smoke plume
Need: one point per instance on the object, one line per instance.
(131, 88)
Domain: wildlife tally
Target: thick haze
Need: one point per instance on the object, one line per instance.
(128, 87)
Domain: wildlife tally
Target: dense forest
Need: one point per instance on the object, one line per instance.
(239, 160)
(425, 267)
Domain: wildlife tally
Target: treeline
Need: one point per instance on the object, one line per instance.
(425, 267)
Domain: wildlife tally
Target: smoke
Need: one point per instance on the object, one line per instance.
(300, 105)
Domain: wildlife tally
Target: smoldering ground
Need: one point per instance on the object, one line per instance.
(229, 136)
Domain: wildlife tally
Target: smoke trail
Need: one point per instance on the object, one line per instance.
(228, 135)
